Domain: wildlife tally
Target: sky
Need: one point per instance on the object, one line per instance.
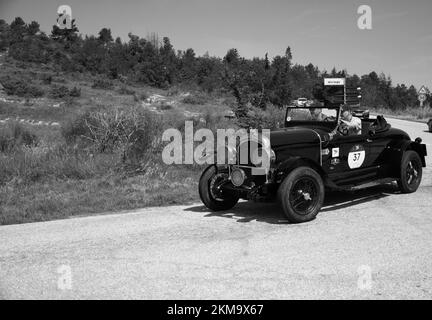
(322, 32)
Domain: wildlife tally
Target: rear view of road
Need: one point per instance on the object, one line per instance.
(374, 244)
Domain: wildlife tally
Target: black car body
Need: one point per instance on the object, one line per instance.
(307, 161)
(430, 125)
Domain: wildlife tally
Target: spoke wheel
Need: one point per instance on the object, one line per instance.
(211, 192)
(304, 195)
(301, 195)
(410, 172)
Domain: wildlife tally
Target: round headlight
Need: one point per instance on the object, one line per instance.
(238, 177)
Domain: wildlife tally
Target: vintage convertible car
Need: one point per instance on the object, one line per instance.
(306, 161)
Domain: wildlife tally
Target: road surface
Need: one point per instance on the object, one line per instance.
(374, 244)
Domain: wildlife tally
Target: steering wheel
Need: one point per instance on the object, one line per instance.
(329, 119)
(343, 129)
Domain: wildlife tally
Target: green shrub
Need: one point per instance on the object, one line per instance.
(140, 96)
(21, 87)
(13, 135)
(75, 92)
(165, 106)
(125, 90)
(58, 92)
(272, 117)
(195, 99)
(46, 78)
(102, 84)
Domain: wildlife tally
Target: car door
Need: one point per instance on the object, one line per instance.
(346, 154)
(377, 144)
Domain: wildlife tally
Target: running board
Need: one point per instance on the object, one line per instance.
(362, 185)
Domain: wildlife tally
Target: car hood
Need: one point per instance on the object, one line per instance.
(294, 135)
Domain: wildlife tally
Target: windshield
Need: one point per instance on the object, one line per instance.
(311, 114)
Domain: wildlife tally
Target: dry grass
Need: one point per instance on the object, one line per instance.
(59, 177)
(417, 113)
(61, 198)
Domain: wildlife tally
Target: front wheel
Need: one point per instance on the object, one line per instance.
(211, 193)
(410, 172)
(301, 195)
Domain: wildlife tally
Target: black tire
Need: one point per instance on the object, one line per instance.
(410, 172)
(222, 201)
(298, 210)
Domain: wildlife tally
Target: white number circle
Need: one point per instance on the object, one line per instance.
(356, 159)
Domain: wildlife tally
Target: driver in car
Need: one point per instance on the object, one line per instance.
(348, 125)
(316, 114)
(316, 111)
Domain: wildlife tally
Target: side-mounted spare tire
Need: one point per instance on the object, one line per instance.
(210, 192)
(411, 171)
(301, 195)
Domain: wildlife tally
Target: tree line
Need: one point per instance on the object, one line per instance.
(254, 83)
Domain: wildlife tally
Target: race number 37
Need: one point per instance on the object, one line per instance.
(356, 157)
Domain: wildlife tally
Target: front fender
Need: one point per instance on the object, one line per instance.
(285, 167)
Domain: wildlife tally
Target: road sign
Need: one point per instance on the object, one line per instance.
(334, 81)
(423, 90)
(422, 95)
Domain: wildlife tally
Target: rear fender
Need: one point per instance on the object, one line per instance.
(414, 146)
(396, 151)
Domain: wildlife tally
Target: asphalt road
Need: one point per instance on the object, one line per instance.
(373, 244)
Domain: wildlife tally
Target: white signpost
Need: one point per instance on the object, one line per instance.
(336, 82)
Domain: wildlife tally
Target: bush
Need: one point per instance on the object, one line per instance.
(21, 87)
(14, 135)
(46, 78)
(134, 132)
(140, 96)
(58, 92)
(165, 106)
(125, 90)
(272, 117)
(102, 84)
(195, 99)
(75, 92)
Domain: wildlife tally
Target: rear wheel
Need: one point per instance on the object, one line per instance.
(301, 195)
(410, 172)
(211, 193)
